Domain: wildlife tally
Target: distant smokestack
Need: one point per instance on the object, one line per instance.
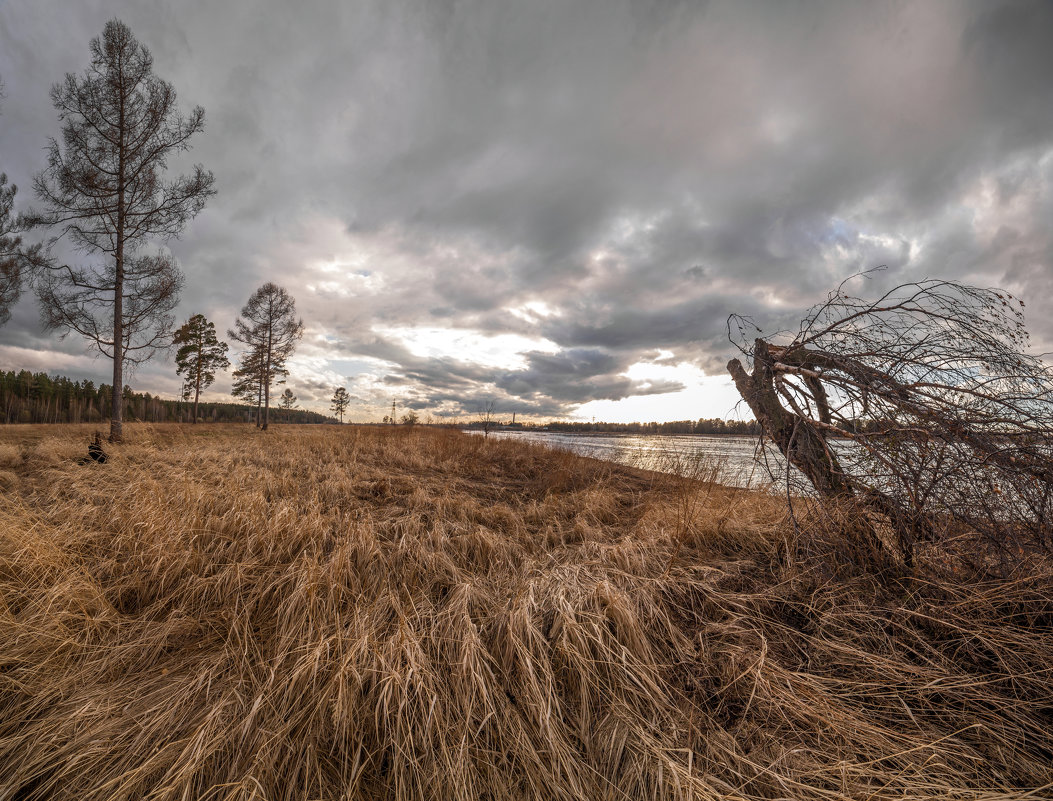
(513, 418)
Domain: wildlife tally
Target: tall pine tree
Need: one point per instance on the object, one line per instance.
(199, 356)
(103, 187)
(269, 327)
(340, 402)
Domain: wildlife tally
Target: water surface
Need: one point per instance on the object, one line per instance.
(735, 460)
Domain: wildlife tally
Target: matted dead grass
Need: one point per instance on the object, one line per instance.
(365, 613)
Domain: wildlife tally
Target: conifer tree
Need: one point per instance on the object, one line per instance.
(340, 402)
(246, 385)
(11, 256)
(199, 356)
(103, 187)
(269, 327)
(288, 400)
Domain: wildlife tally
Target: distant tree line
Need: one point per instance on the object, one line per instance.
(27, 397)
(702, 426)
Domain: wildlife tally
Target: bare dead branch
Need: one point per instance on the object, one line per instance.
(925, 404)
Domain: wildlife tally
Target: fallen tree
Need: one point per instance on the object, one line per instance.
(924, 405)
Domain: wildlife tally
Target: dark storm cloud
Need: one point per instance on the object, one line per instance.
(574, 375)
(545, 385)
(637, 170)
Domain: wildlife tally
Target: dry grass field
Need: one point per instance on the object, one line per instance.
(366, 613)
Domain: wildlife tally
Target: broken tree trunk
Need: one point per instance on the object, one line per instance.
(803, 445)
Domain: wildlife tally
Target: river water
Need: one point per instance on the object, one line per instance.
(730, 460)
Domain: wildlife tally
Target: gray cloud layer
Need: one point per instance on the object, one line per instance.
(640, 168)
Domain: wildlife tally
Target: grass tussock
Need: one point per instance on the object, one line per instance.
(357, 613)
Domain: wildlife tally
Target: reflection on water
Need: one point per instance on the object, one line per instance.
(740, 463)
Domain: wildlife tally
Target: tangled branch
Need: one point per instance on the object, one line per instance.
(926, 404)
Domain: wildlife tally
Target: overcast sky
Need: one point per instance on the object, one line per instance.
(554, 204)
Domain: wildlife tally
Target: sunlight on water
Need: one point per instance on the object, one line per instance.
(740, 463)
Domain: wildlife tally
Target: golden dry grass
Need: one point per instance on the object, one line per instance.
(360, 613)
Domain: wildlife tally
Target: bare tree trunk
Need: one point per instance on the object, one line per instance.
(117, 410)
(197, 384)
(117, 413)
(267, 367)
(803, 446)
